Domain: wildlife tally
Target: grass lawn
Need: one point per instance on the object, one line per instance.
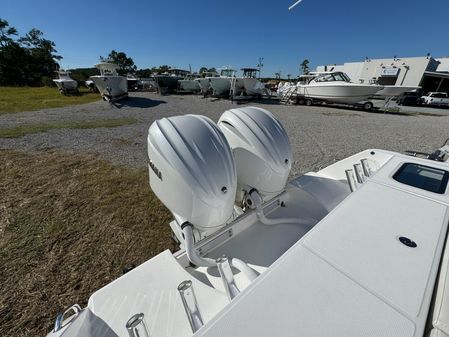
(17, 99)
(69, 224)
(23, 130)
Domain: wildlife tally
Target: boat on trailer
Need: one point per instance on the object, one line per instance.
(357, 249)
(109, 83)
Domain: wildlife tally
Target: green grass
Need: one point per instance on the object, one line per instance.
(18, 99)
(20, 131)
(69, 224)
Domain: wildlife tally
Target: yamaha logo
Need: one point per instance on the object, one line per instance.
(155, 170)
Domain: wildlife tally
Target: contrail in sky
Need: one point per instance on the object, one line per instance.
(294, 5)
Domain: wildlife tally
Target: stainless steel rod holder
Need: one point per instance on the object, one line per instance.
(190, 305)
(351, 180)
(136, 326)
(366, 167)
(225, 270)
(359, 173)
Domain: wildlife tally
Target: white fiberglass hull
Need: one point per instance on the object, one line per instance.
(395, 90)
(189, 85)
(111, 87)
(66, 85)
(204, 84)
(220, 85)
(344, 93)
(252, 86)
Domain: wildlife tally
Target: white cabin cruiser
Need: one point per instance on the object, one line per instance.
(357, 249)
(335, 87)
(221, 86)
(65, 83)
(109, 83)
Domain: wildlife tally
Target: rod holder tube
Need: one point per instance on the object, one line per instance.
(190, 303)
(136, 326)
(366, 167)
(351, 179)
(225, 270)
(359, 173)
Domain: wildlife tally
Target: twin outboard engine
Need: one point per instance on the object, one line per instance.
(199, 170)
(261, 151)
(195, 167)
(192, 171)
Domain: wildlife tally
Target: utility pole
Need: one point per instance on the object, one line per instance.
(260, 65)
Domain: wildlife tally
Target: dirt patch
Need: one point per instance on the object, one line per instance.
(69, 225)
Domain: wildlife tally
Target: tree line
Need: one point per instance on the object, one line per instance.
(30, 59)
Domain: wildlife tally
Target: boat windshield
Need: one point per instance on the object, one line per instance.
(107, 69)
(251, 73)
(227, 72)
(333, 77)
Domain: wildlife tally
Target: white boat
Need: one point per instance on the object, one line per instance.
(132, 82)
(221, 86)
(190, 84)
(336, 87)
(204, 81)
(109, 83)
(65, 83)
(357, 249)
(90, 85)
(249, 83)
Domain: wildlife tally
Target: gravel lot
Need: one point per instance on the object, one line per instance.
(319, 135)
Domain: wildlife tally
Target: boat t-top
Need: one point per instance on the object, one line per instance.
(109, 83)
(65, 83)
(356, 249)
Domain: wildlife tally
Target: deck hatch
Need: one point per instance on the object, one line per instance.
(424, 177)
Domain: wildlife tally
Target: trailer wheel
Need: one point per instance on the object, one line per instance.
(367, 106)
(308, 102)
(300, 101)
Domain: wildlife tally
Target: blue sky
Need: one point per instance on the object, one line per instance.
(214, 33)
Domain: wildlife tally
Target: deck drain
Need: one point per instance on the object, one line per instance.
(408, 242)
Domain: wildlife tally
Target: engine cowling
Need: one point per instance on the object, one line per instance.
(261, 149)
(192, 170)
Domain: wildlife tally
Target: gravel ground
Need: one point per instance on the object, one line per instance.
(319, 135)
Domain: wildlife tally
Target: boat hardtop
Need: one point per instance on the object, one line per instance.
(107, 68)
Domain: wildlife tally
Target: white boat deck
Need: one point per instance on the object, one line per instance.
(347, 275)
(350, 275)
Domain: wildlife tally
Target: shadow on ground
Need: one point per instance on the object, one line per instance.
(138, 102)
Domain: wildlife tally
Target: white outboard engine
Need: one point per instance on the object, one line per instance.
(192, 171)
(261, 149)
